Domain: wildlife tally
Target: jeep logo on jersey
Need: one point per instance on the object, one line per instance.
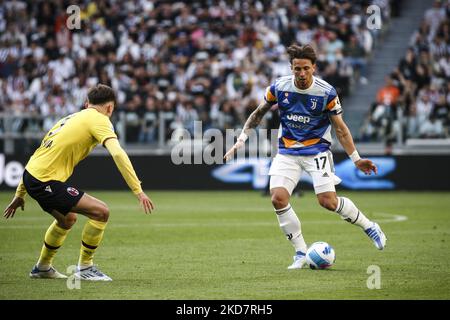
(298, 118)
(72, 191)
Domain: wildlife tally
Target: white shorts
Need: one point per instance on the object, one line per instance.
(286, 170)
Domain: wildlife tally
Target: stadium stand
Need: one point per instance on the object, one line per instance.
(414, 103)
(171, 62)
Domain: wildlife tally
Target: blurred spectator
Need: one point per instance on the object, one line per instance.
(432, 128)
(389, 94)
(434, 17)
(382, 122)
(334, 48)
(236, 81)
(355, 55)
(407, 65)
(149, 122)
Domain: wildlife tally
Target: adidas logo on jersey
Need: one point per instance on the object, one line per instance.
(48, 189)
(285, 100)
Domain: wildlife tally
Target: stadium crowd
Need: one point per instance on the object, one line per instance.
(415, 100)
(205, 60)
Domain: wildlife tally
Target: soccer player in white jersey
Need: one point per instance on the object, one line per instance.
(308, 108)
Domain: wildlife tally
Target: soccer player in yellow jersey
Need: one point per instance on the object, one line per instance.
(45, 175)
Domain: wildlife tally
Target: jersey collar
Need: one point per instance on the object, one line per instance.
(305, 90)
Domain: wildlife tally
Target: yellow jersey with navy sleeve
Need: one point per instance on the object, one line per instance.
(69, 141)
(305, 127)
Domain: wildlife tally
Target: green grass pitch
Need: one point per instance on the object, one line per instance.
(228, 245)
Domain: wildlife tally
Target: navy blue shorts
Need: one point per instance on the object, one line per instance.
(52, 195)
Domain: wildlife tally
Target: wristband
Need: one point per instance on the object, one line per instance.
(243, 136)
(355, 156)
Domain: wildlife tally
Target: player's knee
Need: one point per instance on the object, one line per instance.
(71, 219)
(279, 201)
(100, 213)
(329, 203)
(103, 213)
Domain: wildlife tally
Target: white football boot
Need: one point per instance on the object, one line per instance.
(299, 262)
(91, 274)
(377, 236)
(51, 273)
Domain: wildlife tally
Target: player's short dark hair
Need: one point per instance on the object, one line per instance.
(301, 52)
(101, 94)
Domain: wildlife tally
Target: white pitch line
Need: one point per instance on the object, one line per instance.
(223, 223)
(394, 217)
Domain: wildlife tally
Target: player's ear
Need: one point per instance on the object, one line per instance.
(110, 108)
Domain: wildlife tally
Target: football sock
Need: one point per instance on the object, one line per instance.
(349, 212)
(54, 238)
(91, 237)
(290, 225)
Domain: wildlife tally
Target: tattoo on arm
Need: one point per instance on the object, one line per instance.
(257, 115)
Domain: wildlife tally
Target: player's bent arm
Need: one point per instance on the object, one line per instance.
(256, 116)
(252, 122)
(343, 134)
(124, 165)
(345, 138)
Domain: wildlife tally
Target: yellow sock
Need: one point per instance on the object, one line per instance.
(90, 239)
(54, 238)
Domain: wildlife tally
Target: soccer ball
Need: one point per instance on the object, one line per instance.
(320, 255)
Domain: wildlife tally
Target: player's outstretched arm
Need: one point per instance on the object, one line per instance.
(252, 122)
(125, 167)
(345, 138)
